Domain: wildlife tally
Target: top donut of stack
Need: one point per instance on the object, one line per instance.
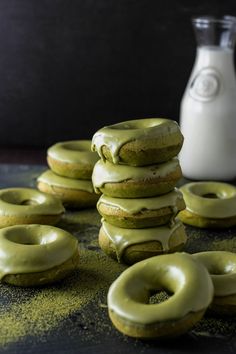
(139, 142)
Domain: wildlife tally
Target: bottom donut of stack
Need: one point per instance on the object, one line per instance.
(133, 245)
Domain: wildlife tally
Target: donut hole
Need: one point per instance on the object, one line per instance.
(212, 190)
(29, 202)
(26, 241)
(24, 236)
(210, 195)
(75, 146)
(25, 198)
(136, 124)
(215, 269)
(158, 296)
(155, 289)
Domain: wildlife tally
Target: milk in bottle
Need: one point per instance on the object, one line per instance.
(208, 107)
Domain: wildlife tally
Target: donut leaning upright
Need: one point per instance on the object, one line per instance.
(137, 175)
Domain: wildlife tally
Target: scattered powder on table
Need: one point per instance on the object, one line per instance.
(46, 307)
(224, 245)
(81, 217)
(37, 311)
(215, 327)
(210, 240)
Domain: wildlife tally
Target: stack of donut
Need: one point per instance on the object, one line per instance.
(137, 174)
(69, 177)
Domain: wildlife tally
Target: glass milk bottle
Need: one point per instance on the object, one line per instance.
(208, 107)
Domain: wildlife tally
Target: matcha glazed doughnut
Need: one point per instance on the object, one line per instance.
(133, 245)
(209, 204)
(123, 181)
(186, 279)
(139, 142)
(28, 206)
(74, 193)
(141, 212)
(36, 254)
(72, 159)
(222, 267)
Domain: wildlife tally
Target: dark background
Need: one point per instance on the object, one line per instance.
(69, 67)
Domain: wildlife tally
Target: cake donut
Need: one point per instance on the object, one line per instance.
(123, 181)
(34, 254)
(139, 142)
(209, 204)
(28, 206)
(186, 279)
(74, 193)
(133, 245)
(222, 267)
(141, 212)
(72, 159)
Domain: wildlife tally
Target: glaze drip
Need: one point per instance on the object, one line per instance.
(117, 135)
(107, 172)
(123, 238)
(134, 206)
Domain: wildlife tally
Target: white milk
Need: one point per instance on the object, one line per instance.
(208, 117)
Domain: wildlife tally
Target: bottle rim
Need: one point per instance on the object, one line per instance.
(226, 21)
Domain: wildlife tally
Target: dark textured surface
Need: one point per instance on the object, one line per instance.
(89, 329)
(69, 67)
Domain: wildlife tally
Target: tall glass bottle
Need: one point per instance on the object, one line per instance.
(208, 106)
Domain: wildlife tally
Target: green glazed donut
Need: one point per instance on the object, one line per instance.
(209, 204)
(123, 181)
(139, 142)
(222, 267)
(186, 279)
(72, 159)
(28, 206)
(74, 193)
(141, 212)
(33, 255)
(133, 245)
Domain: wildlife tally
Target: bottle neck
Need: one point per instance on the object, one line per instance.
(215, 56)
(215, 31)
